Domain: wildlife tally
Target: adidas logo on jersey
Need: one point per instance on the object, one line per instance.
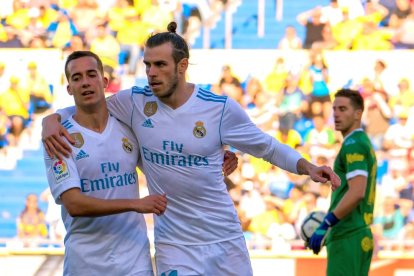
(148, 123)
(81, 155)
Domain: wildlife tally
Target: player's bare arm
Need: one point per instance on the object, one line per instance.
(53, 134)
(80, 205)
(355, 194)
(321, 174)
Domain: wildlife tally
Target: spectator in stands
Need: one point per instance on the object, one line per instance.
(332, 14)
(61, 30)
(5, 125)
(261, 224)
(6, 8)
(76, 43)
(4, 82)
(3, 34)
(254, 90)
(374, 12)
(120, 10)
(345, 31)
(389, 222)
(33, 29)
(37, 42)
(321, 140)
(277, 183)
(86, 16)
(156, 17)
(47, 15)
(390, 6)
(311, 19)
(324, 199)
(372, 37)
(275, 80)
(398, 139)
(320, 91)
(131, 37)
(106, 46)
(53, 217)
(12, 39)
(15, 102)
(404, 38)
(308, 205)
(407, 234)
(398, 15)
(377, 113)
(31, 225)
(229, 85)
(394, 181)
(291, 101)
(290, 41)
(404, 100)
(354, 7)
(286, 135)
(19, 19)
(39, 89)
(114, 81)
(383, 78)
(328, 40)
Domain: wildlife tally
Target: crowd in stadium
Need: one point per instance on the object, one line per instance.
(293, 105)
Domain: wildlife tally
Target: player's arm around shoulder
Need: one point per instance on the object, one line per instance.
(121, 104)
(53, 137)
(79, 205)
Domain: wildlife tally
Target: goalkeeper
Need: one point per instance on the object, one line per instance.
(346, 228)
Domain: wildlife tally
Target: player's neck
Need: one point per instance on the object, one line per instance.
(350, 130)
(181, 95)
(94, 120)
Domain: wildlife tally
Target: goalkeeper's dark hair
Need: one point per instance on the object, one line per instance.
(354, 96)
(79, 54)
(180, 46)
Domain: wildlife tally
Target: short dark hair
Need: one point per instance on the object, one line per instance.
(353, 95)
(180, 46)
(79, 54)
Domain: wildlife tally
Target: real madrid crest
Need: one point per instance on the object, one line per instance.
(199, 130)
(126, 145)
(78, 139)
(150, 108)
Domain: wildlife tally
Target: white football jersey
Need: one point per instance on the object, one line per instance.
(98, 245)
(182, 155)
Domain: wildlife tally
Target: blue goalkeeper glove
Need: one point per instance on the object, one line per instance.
(318, 238)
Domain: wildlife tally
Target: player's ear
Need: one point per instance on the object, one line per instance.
(358, 114)
(106, 82)
(183, 65)
(68, 88)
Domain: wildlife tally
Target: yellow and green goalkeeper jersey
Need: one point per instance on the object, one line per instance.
(356, 157)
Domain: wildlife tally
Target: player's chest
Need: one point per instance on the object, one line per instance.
(178, 131)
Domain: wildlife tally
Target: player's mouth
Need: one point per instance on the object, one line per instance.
(155, 84)
(87, 93)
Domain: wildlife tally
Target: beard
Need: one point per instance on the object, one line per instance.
(170, 91)
(172, 87)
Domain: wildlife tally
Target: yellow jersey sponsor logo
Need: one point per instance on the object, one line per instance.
(354, 157)
(368, 218)
(367, 244)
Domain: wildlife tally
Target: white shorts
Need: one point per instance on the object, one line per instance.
(223, 258)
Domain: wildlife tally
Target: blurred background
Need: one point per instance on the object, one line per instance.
(281, 60)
